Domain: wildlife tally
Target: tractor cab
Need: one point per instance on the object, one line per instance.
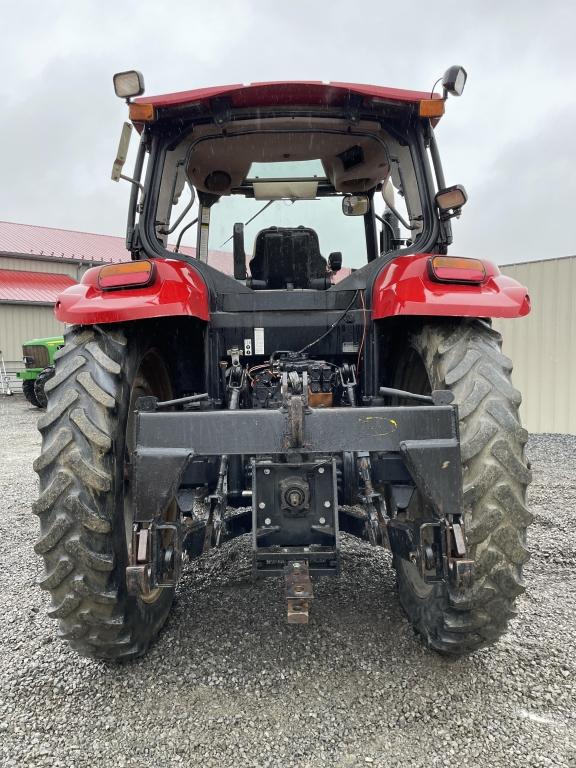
(264, 182)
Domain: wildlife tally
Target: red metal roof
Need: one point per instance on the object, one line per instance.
(32, 287)
(86, 247)
(29, 239)
(309, 92)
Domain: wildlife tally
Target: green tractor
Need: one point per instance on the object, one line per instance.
(38, 357)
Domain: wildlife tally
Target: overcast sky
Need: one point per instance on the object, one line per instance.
(510, 139)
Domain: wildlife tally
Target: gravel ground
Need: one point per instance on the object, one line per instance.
(230, 684)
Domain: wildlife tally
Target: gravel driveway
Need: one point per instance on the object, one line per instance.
(230, 684)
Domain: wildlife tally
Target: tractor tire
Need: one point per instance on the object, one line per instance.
(39, 385)
(29, 394)
(84, 504)
(464, 356)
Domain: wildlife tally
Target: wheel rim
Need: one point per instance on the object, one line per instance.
(417, 583)
(151, 379)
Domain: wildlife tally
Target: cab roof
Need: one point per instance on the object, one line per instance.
(287, 93)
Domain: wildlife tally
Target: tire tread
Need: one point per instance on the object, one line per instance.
(466, 357)
(76, 469)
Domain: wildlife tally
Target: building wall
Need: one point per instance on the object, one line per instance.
(38, 265)
(543, 345)
(18, 323)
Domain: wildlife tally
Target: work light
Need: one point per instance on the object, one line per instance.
(451, 198)
(454, 80)
(128, 84)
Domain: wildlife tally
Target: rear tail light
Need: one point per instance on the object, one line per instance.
(126, 275)
(453, 269)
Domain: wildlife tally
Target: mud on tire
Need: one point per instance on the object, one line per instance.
(465, 357)
(81, 503)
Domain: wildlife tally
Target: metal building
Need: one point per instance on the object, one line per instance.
(543, 344)
(36, 264)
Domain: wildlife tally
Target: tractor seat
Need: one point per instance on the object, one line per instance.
(288, 257)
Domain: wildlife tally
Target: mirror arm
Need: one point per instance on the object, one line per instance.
(440, 181)
(132, 181)
(436, 162)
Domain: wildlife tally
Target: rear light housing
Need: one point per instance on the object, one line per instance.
(454, 269)
(131, 274)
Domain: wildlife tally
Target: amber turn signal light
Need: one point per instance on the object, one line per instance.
(431, 108)
(141, 113)
(126, 275)
(453, 269)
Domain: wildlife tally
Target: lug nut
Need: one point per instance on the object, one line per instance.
(267, 521)
(322, 520)
(327, 504)
(262, 505)
(321, 471)
(266, 471)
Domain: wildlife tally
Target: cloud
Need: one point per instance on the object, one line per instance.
(523, 207)
(508, 133)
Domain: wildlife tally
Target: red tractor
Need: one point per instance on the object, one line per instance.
(316, 363)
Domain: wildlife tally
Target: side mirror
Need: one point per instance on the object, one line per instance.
(122, 153)
(451, 200)
(335, 261)
(355, 205)
(454, 80)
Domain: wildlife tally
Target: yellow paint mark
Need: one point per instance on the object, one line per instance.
(380, 418)
(392, 422)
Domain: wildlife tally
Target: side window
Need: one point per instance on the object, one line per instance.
(399, 204)
(177, 203)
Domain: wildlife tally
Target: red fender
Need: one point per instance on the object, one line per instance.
(176, 290)
(404, 287)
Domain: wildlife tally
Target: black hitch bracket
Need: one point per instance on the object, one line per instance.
(424, 439)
